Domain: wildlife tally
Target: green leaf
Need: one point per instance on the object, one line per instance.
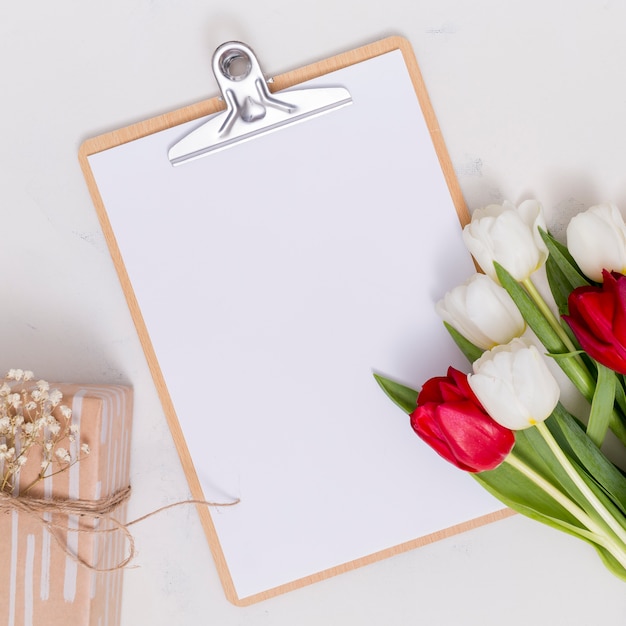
(602, 405)
(562, 271)
(573, 440)
(612, 507)
(532, 449)
(530, 312)
(518, 491)
(404, 397)
(564, 260)
(611, 562)
(559, 285)
(471, 352)
(521, 494)
(573, 368)
(620, 396)
(618, 416)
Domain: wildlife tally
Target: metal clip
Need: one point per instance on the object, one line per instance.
(251, 110)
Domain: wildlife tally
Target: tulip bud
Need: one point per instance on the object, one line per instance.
(514, 385)
(596, 238)
(450, 419)
(597, 317)
(509, 236)
(482, 311)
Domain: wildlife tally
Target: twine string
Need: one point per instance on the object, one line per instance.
(93, 510)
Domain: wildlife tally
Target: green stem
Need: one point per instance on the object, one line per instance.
(598, 533)
(533, 292)
(573, 365)
(556, 494)
(569, 361)
(582, 486)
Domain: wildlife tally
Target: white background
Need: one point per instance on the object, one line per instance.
(531, 101)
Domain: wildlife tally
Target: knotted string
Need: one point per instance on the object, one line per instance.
(94, 510)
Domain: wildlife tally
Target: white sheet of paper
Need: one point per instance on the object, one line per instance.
(273, 278)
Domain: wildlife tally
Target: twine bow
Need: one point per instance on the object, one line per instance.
(45, 511)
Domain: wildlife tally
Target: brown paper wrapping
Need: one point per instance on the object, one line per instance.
(41, 585)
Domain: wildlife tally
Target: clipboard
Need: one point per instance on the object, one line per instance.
(267, 280)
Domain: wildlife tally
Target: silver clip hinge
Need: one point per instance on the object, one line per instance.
(251, 110)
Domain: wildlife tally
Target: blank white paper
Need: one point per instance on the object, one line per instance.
(274, 277)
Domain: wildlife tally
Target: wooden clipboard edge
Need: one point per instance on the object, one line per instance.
(379, 556)
(207, 107)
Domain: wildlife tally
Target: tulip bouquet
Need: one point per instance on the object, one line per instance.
(504, 421)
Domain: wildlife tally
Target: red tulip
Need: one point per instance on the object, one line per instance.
(597, 317)
(451, 420)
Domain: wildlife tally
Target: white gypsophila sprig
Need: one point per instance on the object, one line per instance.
(33, 425)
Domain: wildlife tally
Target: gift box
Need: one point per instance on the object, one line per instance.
(41, 580)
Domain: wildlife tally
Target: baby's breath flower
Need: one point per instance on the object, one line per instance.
(14, 400)
(63, 455)
(26, 416)
(15, 374)
(55, 396)
(10, 453)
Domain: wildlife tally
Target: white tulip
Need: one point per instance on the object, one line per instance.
(596, 238)
(509, 236)
(482, 311)
(514, 385)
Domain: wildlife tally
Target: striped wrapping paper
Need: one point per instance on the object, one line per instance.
(40, 585)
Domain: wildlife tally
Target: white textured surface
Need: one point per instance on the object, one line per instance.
(530, 98)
